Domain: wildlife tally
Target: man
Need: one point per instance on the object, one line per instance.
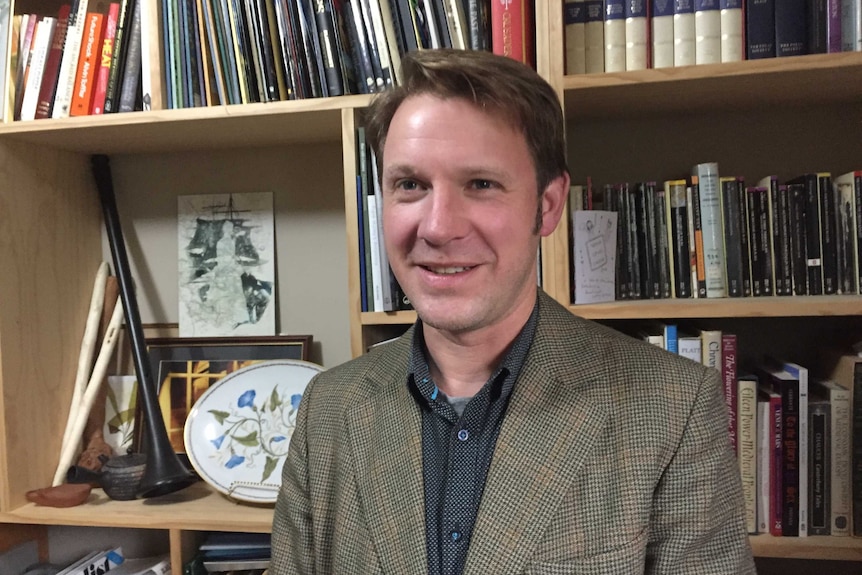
(500, 434)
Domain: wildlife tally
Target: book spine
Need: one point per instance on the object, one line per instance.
(851, 26)
(677, 218)
(683, 33)
(856, 454)
(69, 63)
(574, 20)
(661, 234)
(615, 35)
(833, 26)
(384, 48)
(764, 242)
(594, 37)
(744, 236)
(104, 69)
(857, 223)
(840, 493)
(789, 391)
(707, 32)
(776, 466)
(764, 437)
(662, 33)
(813, 246)
(695, 243)
(731, 30)
(760, 29)
(632, 224)
(711, 346)
(509, 22)
(845, 234)
(828, 235)
(132, 72)
(747, 452)
(52, 65)
(119, 52)
(731, 384)
(782, 266)
(818, 15)
(646, 269)
(326, 37)
(43, 34)
(637, 34)
(82, 97)
(818, 470)
(731, 220)
(712, 233)
(790, 27)
(796, 199)
(691, 348)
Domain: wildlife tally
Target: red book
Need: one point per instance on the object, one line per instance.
(104, 69)
(512, 29)
(728, 377)
(52, 65)
(85, 77)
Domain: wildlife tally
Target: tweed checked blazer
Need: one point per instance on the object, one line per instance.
(613, 458)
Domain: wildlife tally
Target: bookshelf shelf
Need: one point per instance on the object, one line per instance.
(210, 128)
(815, 547)
(751, 84)
(197, 507)
(803, 306)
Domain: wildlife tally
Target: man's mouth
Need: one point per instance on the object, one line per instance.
(448, 270)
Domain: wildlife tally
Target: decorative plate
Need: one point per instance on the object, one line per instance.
(238, 432)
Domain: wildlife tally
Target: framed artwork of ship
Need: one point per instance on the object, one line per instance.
(227, 284)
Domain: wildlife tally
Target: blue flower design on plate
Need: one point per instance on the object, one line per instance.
(254, 430)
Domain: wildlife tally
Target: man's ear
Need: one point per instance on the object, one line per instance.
(553, 202)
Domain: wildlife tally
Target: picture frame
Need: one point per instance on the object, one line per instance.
(184, 368)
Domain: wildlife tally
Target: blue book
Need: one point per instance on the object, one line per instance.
(759, 29)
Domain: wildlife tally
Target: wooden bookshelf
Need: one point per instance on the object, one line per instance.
(813, 547)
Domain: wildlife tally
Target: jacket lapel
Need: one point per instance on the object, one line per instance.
(386, 439)
(547, 435)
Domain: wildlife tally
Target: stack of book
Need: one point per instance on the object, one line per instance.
(234, 552)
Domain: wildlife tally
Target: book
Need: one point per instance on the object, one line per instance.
(798, 261)
(637, 27)
(594, 37)
(52, 65)
(760, 29)
(42, 38)
(707, 32)
(759, 241)
(833, 26)
(731, 223)
(156, 565)
(662, 33)
(845, 369)
(732, 26)
(813, 246)
(103, 70)
(28, 29)
(819, 477)
(683, 33)
(95, 562)
(69, 63)
(788, 387)
(731, 383)
(800, 374)
(511, 22)
(88, 63)
(746, 423)
(846, 226)
(575, 20)
(790, 27)
(839, 399)
(711, 348)
(817, 18)
(676, 208)
(855, 220)
(151, 92)
(118, 54)
(131, 79)
(615, 35)
(695, 242)
(706, 177)
(6, 64)
(771, 484)
(851, 26)
(690, 346)
(828, 232)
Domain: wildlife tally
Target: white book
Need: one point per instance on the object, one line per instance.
(662, 33)
(594, 37)
(801, 374)
(840, 490)
(149, 56)
(764, 461)
(707, 32)
(847, 214)
(385, 273)
(732, 24)
(43, 34)
(5, 45)
(851, 25)
(683, 33)
(746, 425)
(374, 246)
(707, 178)
(69, 61)
(455, 19)
(575, 21)
(690, 346)
(637, 35)
(615, 36)
(711, 348)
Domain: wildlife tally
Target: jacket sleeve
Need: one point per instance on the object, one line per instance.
(697, 522)
(292, 525)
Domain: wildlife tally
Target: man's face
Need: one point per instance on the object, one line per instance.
(459, 213)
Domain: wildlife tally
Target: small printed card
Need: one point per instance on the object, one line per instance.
(595, 237)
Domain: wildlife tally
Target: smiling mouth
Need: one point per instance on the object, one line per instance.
(448, 270)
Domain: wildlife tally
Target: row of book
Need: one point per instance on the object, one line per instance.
(797, 433)
(712, 236)
(85, 59)
(619, 35)
(114, 562)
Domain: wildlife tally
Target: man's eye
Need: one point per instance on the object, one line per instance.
(483, 184)
(406, 185)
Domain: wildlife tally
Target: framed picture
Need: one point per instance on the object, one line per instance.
(184, 368)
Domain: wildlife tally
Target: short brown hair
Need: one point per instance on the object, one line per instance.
(497, 84)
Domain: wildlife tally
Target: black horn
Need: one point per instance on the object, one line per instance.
(164, 472)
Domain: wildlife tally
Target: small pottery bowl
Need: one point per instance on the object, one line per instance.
(65, 495)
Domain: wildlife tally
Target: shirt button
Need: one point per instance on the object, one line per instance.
(455, 535)
(463, 435)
